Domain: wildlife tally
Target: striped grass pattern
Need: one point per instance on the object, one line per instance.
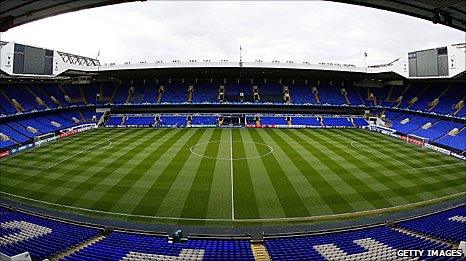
(204, 175)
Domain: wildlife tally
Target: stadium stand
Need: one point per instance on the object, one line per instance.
(301, 94)
(360, 122)
(121, 94)
(354, 96)
(30, 98)
(272, 93)
(234, 91)
(308, 121)
(44, 238)
(414, 96)
(413, 124)
(447, 225)
(140, 120)
(172, 121)
(115, 120)
(6, 144)
(337, 122)
(130, 246)
(437, 130)
(41, 237)
(376, 243)
(267, 120)
(204, 120)
(174, 93)
(331, 94)
(457, 141)
(205, 93)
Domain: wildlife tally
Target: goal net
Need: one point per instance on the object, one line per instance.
(45, 138)
(414, 139)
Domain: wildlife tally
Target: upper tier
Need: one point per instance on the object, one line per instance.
(436, 98)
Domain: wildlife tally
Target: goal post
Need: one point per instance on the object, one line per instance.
(44, 138)
(417, 140)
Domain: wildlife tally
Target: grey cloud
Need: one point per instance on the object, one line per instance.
(306, 30)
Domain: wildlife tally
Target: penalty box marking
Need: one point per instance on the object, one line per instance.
(61, 161)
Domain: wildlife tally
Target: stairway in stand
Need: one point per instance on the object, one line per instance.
(259, 251)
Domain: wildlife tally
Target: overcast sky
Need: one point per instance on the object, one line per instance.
(313, 31)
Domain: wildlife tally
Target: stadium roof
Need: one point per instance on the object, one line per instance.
(448, 12)
(15, 13)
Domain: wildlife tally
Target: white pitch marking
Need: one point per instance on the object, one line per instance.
(440, 166)
(229, 158)
(113, 213)
(236, 220)
(53, 165)
(61, 161)
(67, 158)
(379, 152)
(231, 178)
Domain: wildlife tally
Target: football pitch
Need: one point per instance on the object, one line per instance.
(204, 175)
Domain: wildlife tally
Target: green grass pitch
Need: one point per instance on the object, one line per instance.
(204, 175)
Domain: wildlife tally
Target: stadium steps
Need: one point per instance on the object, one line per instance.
(316, 94)
(71, 99)
(321, 120)
(190, 93)
(400, 98)
(77, 248)
(360, 96)
(83, 97)
(38, 100)
(160, 93)
(371, 97)
(54, 99)
(389, 95)
(416, 99)
(438, 98)
(82, 116)
(259, 251)
(443, 136)
(115, 92)
(345, 95)
(459, 106)
(129, 98)
(419, 235)
(101, 93)
(103, 118)
(20, 109)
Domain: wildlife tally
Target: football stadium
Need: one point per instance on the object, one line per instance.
(232, 160)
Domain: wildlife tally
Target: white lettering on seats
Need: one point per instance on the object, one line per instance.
(375, 251)
(28, 231)
(458, 218)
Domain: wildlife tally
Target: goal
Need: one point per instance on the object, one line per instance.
(414, 139)
(45, 138)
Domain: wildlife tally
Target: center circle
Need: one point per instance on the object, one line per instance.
(267, 149)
